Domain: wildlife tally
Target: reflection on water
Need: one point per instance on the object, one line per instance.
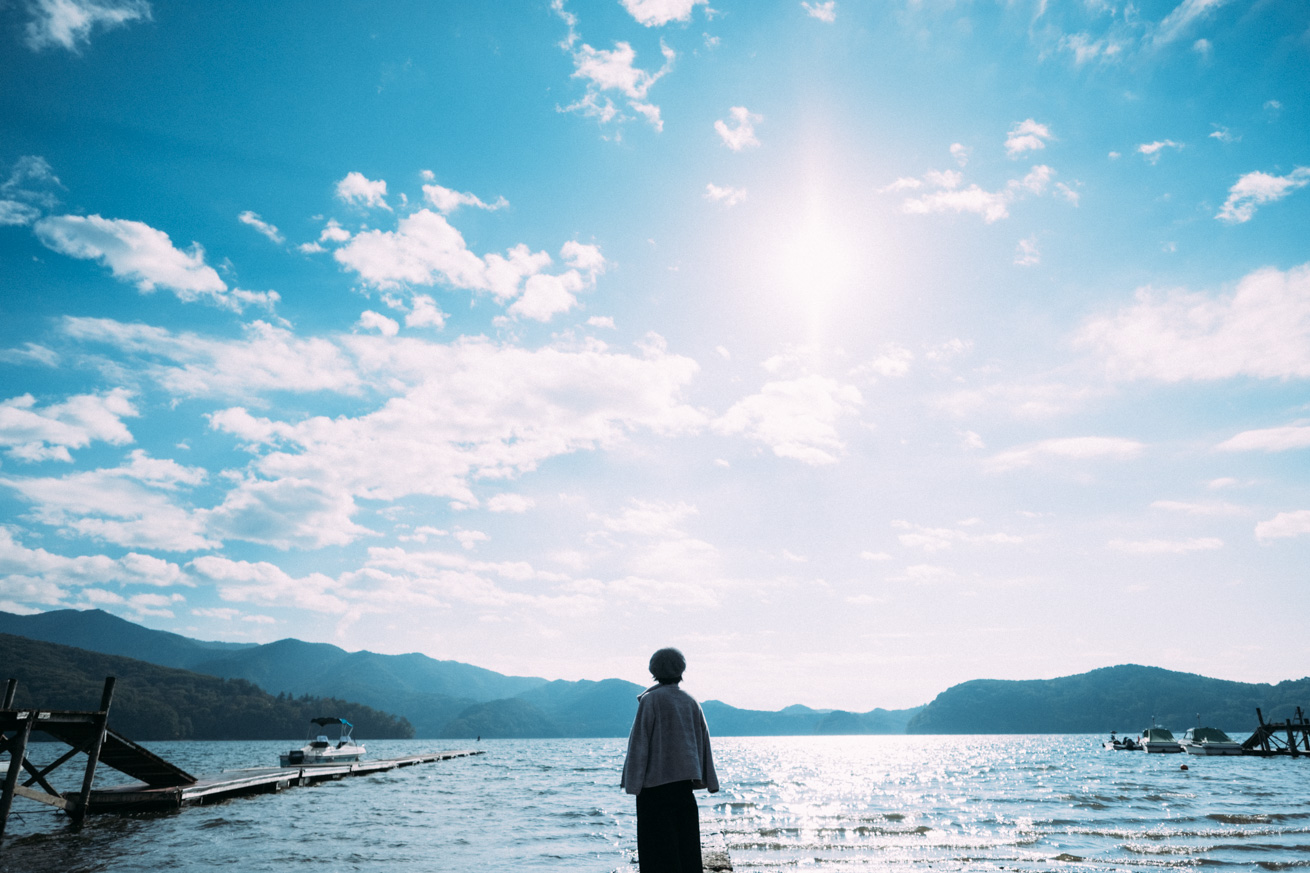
(789, 803)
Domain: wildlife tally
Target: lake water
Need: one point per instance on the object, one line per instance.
(1022, 803)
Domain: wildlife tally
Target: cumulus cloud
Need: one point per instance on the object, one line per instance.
(32, 433)
(131, 505)
(266, 358)
(1256, 189)
(253, 220)
(469, 410)
(68, 23)
(370, 320)
(742, 134)
(1152, 150)
(936, 539)
(1073, 449)
(425, 249)
(1165, 547)
(1272, 439)
(796, 418)
(136, 252)
(824, 11)
(29, 189)
(285, 513)
(359, 190)
(615, 70)
(1261, 330)
(1026, 136)
(960, 152)
(36, 577)
(447, 200)
(991, 206)
(654, 13)
(1284, 525)
(727, 196)
(265, 583)
(1026, 253)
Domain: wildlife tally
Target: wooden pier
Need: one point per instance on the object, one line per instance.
(1291, 737)
(161, 785)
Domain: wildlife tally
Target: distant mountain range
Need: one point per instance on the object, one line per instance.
(456, 700)
(1125, 698)
(161, 703)
(439, 698)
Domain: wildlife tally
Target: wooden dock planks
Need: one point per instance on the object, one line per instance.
(139, 797)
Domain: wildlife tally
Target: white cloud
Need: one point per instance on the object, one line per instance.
(287, 512)
(824, 11)
(1026, 136)
(1215, 507)
(447, 201)
(252, 219)
(131, 505)
(36, 577)
(1026, 253)
(15, 214)
(654, 13)
(1261, 330)
(469, 410)
(727, 196)
(359, 190)
(1184, 15)
(1086, 48)
(1067, 449)
(1069, 194)
(516, 503)
(1256, 189)
(136, 252)
(1273, 439)
(66, 23)
(796, 418)
(960, 152)
(262, 582)
(424, 312)
(370, 320)
(1284, 525)
(893, 362)
(615, 70)
(32, 433)
(1165, 547)
(1223, 134)
(267, 358)
(875, 556)
(992, 206)
(425, 249)
(936, 539)
(604, 321)
(1152, 150)
(742, 134)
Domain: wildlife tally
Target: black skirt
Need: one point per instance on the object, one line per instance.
(668, 829)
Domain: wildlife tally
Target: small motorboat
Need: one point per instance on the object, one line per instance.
(1157, 739)
(1122, 744)
(1209, 741)
(322, 749)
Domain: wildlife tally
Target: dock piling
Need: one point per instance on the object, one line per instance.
(101, 724)
(17, 747)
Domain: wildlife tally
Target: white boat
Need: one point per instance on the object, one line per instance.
(1209, 741)
(322, 749)
(1158, 739)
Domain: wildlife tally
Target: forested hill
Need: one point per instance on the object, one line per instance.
(161, 703)
(1123, 698)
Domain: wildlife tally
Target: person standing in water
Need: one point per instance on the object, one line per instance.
(668, 758)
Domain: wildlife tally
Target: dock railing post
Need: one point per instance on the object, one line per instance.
(17, 754)
(93, 753)
(11, 688)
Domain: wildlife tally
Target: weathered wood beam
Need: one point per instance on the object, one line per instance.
(41, 797)
(17, 754)
(93, 755)
(11, 687)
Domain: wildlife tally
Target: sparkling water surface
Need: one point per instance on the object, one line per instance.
(1018, 803)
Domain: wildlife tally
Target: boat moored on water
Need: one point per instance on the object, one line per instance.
(1158, 739)
(1121, 744)
(322, 749)
(1209, 741)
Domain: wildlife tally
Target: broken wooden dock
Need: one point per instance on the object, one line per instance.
(161, 785)
(1291, 737)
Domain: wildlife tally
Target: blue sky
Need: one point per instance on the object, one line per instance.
(856, 348)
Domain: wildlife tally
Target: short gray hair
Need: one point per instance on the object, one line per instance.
(667, 665)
